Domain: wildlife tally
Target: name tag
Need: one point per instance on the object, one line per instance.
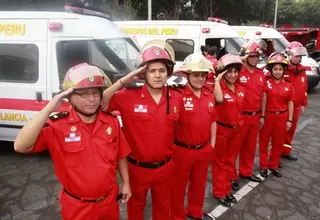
(72, 137)
(141, 108)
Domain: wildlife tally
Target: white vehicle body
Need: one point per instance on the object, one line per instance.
(279, 45)
(186, 37)
(38, 48)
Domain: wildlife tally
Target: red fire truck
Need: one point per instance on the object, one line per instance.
(308, 36)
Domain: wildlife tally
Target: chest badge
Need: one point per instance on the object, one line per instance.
(302, 79)
(210, 105)
(175, 110)
(109, 130)
(227, 96)
(243, 79)
(73, 128)
(240, 94)
(188, 105)
(260, 79)
(286, 89)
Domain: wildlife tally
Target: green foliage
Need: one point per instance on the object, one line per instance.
(236, 12)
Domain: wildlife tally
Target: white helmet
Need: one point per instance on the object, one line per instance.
(197, 63)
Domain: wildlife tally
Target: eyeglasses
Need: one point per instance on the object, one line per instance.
(86, 95)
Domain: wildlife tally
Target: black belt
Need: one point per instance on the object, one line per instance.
(278, 112)
(197, 147)
(227, 125)
(86, 200)
(251, 113)
(148, 165)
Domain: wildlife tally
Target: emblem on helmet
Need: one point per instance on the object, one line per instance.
(157, 51)
(91, 78)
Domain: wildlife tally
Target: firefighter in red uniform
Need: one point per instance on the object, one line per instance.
(252, 79)
(86, 145)
(150, 118)
(276, 115)
(229, 119)
(212, 57)
(296, 74)
(195, 140)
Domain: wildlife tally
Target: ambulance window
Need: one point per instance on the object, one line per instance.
(19, 63)
(182, 48)
(71, 53)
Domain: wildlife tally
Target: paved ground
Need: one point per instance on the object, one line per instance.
(29, 190)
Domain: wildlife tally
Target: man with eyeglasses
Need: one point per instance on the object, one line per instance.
(86, 145)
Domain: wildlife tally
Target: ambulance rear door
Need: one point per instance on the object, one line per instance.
(23, 52)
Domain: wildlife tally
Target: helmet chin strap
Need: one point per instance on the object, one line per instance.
(190, 83)
(145, 79)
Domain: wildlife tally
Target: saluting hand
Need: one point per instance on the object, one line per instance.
(183, 70)
(139, 71)
(57, 100)
(126, 193)
(219, 77)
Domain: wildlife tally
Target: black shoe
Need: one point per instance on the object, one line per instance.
(234, 185)
(280, 165)
(290, 157)
(224, 202)
(264, 173)
(204, 217)
(252, 178)
(275, 172)
(231, 198)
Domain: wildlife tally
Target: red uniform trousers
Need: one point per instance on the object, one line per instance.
(289, 134)
(189, 166)
(73, 209)
(159, 180)
(224, 156)
(248, 140)
(274, 128)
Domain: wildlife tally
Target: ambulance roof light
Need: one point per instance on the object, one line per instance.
(84, 11)
(266, 25)
(218, 20)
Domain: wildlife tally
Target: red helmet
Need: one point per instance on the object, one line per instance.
(227, 60)
(295, 48)
(84, 76)
(277, 59)
(158, 50)
(253, 47)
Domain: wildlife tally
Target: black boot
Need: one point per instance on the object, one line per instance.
(234, 185)
(224, 202)
(275, 172)
(264, 173)
(231, 198)
(290, 157)
(204, 217)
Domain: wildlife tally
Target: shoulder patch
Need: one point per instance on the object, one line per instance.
(58, 115)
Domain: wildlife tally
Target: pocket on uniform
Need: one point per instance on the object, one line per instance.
(140, 117)
(73, 154)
